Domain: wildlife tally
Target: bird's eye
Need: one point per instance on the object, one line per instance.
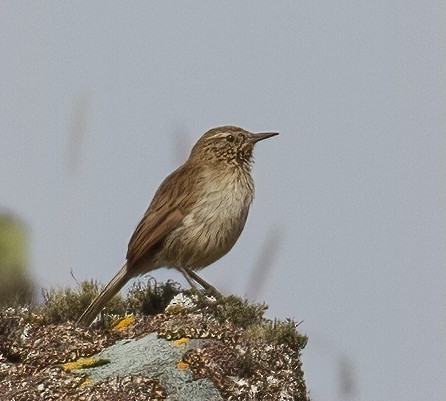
(230, 138)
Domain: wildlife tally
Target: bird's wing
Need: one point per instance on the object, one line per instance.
(150, 231)
(166, 211)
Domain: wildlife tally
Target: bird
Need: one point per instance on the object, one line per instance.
(196, 215)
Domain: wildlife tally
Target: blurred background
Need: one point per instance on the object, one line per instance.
(101, 100)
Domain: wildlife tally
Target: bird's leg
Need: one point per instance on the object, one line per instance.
(188, 278)
(191, 276)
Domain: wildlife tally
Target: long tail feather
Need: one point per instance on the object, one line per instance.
(111, 289)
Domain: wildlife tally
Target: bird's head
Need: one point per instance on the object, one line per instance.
(229, 144)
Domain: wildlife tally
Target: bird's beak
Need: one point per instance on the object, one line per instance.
(260, 136)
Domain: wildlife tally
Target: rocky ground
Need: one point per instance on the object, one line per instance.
(173, 346)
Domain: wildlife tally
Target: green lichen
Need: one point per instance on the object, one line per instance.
(240, 312)
(151, 297)
(277, 332)
(61, 305)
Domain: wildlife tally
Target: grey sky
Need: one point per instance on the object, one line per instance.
(353, 189)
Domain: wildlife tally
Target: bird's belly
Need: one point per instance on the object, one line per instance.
(210, 229)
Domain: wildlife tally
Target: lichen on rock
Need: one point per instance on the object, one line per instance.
(177, 346)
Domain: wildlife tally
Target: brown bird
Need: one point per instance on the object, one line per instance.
(196, 215)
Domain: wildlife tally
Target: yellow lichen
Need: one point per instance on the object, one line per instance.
(181, 341)
(83, 363)
(182, 365)
(124, 323)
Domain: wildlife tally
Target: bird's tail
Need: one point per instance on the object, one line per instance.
(111, 289)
